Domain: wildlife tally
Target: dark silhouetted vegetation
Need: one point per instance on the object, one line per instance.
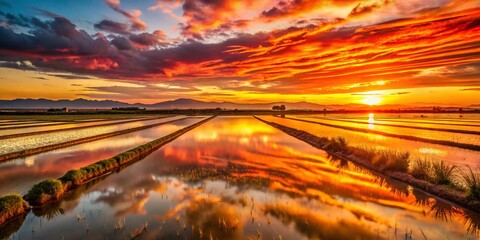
(338, 144)
(279, 108)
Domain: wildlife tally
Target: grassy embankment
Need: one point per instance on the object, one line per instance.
(53, 189)
(436, 177)
(407, 137)
(37, 150)
(73, 128)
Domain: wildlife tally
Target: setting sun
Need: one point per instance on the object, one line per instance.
(372, 100)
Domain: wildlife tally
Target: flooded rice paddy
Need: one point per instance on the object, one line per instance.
(18, 175)
(417, 150)
(28, 142)
(428, 134)
(238, 178)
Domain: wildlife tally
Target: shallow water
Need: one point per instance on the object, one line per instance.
(426, 124)
(18, 175)
(422, 150)
(428, 134)
(238, 178)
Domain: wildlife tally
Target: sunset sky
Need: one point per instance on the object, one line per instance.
(415, 52)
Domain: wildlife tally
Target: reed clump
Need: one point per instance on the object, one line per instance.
(380, 160)
(390, 160)
(422, 169)
(11, 206)
(443, 173)
(437, 172)
(338, 145)
(472, 183)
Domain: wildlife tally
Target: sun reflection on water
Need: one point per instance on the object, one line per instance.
(371, 120)
(433, 151)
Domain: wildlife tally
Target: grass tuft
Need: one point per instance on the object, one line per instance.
(390, 160)
(397, 161)
(11, 205)
(443, 173)
(46, 190)
(74, 176)
(422, 169)
(472, 183)
(338, 144)
(437, 172)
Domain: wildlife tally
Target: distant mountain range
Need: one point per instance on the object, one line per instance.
(185, 103)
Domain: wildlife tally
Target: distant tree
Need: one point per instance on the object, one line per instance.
(279, 108)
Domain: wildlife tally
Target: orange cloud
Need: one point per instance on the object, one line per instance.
(133, 16)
